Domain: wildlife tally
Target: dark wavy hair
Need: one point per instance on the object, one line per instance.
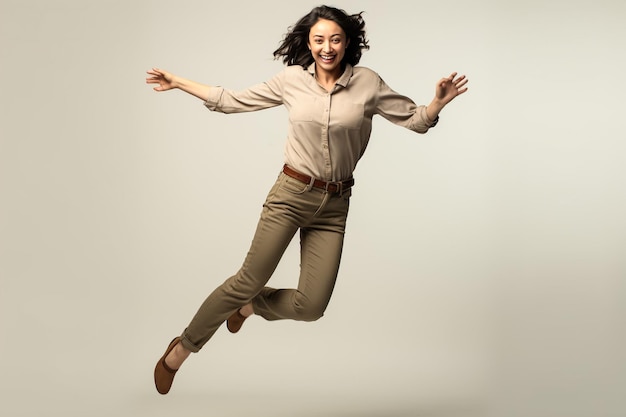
(294, 48)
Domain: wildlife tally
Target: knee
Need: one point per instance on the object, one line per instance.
(242, 286)
(309, 315)
(307, 310)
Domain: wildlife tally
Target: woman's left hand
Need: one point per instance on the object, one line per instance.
(449, 88)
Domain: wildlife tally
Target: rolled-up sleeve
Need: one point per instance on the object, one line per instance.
(258, 97)
(401, 110)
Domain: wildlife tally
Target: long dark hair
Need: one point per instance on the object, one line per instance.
(294, 48)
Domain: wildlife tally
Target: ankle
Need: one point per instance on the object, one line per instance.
(246, 310)
(177, 356)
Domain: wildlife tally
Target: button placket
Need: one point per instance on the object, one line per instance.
(325, 137)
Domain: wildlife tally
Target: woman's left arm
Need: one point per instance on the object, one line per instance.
(447, 90)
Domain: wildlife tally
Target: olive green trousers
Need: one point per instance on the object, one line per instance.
(291, 206)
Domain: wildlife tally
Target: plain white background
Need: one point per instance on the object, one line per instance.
(484, 270)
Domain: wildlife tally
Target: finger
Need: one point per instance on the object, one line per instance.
(451, 77)
(154, 79)
(156, 73)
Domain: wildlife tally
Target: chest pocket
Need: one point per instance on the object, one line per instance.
(304, 110)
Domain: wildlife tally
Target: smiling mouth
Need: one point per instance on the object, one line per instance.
(327, 57)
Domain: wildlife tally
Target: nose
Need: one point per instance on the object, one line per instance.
(327, 47)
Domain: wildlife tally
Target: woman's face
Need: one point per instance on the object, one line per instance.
(327, 42)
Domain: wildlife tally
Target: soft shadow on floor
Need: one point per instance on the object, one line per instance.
(276, 405)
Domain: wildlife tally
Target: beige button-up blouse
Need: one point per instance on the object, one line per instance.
(327, 131)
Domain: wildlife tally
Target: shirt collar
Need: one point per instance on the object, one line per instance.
(342, 81)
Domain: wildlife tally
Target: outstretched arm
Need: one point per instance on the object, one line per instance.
(167, 81)
(447, 89)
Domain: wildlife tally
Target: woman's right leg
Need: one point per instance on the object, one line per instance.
(275, 230)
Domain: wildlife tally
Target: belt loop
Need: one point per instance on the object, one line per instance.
(326, 186)
(310, 186)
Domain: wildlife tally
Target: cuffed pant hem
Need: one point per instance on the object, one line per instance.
(188, 345)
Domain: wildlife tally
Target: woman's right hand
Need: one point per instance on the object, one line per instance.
(164, 79)
(167, 81)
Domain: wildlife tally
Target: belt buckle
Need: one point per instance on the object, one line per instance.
(338, 185)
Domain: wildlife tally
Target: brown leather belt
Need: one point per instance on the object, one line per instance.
(331, 187)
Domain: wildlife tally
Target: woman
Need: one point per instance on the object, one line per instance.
(331, 103)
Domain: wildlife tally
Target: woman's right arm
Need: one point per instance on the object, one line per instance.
(167, 81)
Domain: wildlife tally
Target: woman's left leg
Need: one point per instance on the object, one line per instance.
(320, 255)
(321, 246)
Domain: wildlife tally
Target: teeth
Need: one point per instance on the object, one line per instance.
(326, 57)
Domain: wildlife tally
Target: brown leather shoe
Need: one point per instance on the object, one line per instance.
(235, 321)
(163, 374)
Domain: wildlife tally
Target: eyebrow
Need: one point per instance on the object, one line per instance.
(321, 36)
